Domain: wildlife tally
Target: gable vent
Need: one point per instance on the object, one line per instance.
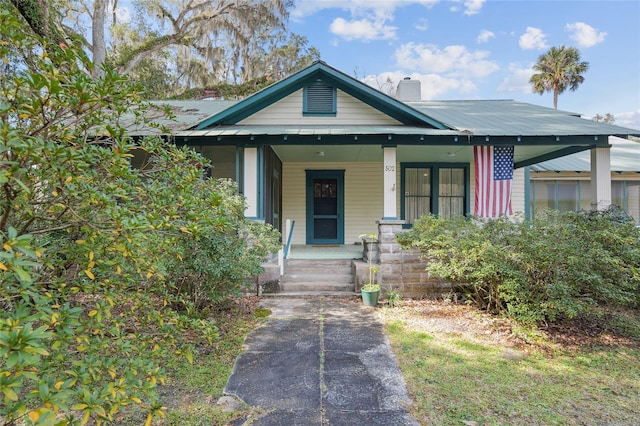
(319, 99)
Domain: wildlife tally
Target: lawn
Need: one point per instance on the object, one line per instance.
(465, 367)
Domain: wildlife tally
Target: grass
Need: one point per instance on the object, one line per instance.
(192, 389)
(478, 376)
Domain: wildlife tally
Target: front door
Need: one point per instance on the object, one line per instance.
(325, 206)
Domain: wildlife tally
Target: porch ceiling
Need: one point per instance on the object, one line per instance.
(405, 154)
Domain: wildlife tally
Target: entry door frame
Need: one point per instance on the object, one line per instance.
(312, 175)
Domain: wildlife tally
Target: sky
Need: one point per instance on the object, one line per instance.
(482, 49)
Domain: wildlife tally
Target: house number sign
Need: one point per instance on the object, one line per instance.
(389, 168)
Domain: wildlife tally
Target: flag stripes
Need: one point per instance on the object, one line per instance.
(493, 177)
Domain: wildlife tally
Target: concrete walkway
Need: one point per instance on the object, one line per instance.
(320, 362)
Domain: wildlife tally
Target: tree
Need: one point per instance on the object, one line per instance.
(91, 286)
(178, 45)
(558, 69)
(608, 118)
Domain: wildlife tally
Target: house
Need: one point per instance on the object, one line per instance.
(565, 183)
(342, 159)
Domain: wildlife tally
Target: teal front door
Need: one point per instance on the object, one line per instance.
(325, 206)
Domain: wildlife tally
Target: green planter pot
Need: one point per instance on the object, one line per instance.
(370, 298)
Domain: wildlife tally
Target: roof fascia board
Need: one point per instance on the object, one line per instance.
(450, 138)
(553, 155)
(388, 105)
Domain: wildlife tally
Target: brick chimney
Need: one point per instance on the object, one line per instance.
(408, 90)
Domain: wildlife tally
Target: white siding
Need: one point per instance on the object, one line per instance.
(518, 191)
(362, 197)
(288, 111)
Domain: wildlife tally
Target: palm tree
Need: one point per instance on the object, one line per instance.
(558, 69)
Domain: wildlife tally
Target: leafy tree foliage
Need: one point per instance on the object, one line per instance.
(171, 47)
(90, 294)
(552, 268)
(557, 70)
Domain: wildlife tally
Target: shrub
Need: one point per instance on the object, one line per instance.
(550, 268)
(87, 241)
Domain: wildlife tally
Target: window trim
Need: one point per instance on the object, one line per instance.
(435, 185)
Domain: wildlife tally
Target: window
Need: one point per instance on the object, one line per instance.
(319, 99)
(575, 195)
(439, 189)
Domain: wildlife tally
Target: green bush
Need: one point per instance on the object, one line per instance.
(88, 299)
(543, 270)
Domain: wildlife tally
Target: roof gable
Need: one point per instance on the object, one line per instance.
(321, 71)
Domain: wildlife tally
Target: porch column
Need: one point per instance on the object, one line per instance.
(600, 178)
(390, 211)
(250, 181)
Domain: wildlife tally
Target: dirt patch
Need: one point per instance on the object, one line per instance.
(471, 323)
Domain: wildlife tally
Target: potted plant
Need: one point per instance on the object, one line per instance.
(370, 291)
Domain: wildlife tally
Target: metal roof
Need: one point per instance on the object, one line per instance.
(475, 117)
(625, 157)
(513, 118)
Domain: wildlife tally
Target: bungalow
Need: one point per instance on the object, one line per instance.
(340, 158)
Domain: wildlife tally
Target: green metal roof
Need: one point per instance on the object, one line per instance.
(513, 118)
(625, 157)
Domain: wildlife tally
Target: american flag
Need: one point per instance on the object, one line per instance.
(494, 173)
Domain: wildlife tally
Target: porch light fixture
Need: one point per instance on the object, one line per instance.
(519, 138)
(486, 139)
(557, 138)
(389, 137)
(455, 139)
(285, 137)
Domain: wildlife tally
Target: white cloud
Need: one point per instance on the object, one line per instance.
(485, 36)
(629, 119)
(362, 29)
(584, 34)
(455, 61)
(422, 25)
(533, 38)
(472, 7)
(517, 80)
(432, 85)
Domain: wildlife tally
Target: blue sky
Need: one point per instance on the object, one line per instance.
(479, 49)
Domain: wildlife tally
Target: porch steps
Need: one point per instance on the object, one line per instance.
(317, 277)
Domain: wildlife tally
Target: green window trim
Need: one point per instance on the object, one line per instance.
(434, 196)
(319, 100)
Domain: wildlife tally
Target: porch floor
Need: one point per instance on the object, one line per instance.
(347, 251)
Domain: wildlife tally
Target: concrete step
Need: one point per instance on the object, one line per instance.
(294, 266)
(313, 294)
(329, 276)
(317, 276)
(316, 286)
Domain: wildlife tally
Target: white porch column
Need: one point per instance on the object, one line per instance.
(250, 181)
(390, 205)
(600, 178)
